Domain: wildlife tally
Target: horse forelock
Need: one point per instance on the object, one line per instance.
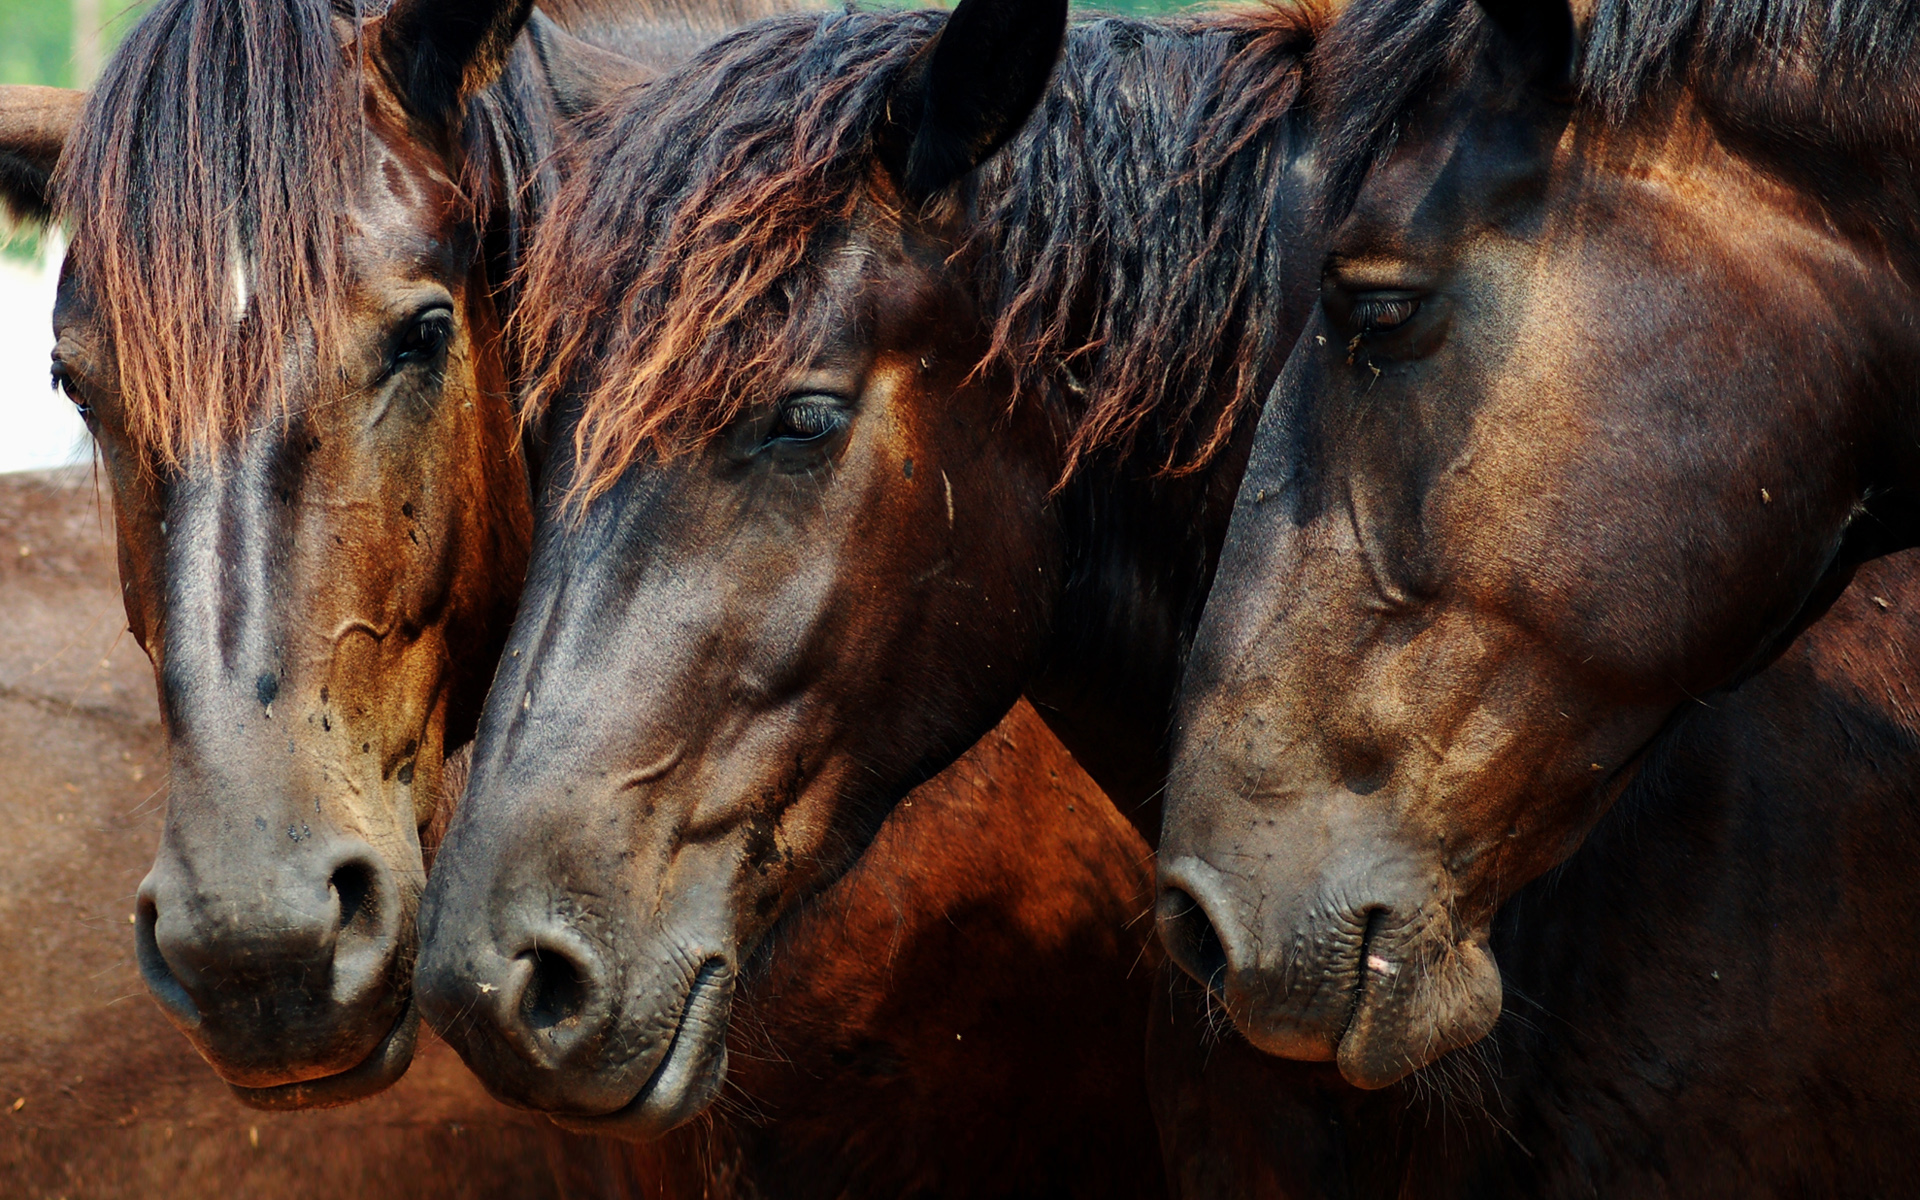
(1843, 70)
(210, 185)
(659, 295)
(207, 184)
(714, 195)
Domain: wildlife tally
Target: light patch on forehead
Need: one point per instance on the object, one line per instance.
(239, 281)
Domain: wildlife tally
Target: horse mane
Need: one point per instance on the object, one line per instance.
(1844, 71)
(673, 272)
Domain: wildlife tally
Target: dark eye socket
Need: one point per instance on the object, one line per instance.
(1384, 312)
(424, 339)
(63, 382)
(806, 419)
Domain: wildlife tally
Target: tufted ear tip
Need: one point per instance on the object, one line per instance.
(34, 123)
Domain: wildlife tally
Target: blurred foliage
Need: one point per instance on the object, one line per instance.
(36, 37)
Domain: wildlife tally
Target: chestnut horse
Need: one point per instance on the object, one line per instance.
(1606, 398)
(368, 490)
(813, 381)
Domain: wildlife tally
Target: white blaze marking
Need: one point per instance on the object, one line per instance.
(949, 483)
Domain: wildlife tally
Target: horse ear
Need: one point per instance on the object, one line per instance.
(34, 122)
(583, 75)
(971, 90)
(439, 52)
(1542, 32)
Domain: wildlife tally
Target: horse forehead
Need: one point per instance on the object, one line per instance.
(407, 208)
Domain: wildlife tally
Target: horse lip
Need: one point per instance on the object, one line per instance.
(379, 1070)
(1363, 965)
(632, 1120)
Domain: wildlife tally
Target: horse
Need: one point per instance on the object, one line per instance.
(867, 402)
(1518, 503)
(854, 1082)
(275, 319)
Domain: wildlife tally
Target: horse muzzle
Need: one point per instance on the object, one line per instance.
(1343, 949)
(287, 975)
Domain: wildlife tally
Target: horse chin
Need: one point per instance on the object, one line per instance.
(1416, 1003)
(379, 1071)
(687, 1078)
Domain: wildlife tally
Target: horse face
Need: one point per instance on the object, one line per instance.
(322, 600)
(697, 723)
(699, 719)
(1573, 438)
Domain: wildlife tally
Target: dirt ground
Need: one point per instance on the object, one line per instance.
(99, 1097)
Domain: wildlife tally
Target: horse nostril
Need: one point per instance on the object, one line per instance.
(1190, 937)
(154, 968)
(351, 884)
(365, 931)
(557, 991)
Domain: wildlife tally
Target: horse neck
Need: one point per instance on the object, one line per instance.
(1141, 553)
(1142, 542)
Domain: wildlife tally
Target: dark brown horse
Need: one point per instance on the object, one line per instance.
(875, 1060)
(1605, 400)
(814, 380)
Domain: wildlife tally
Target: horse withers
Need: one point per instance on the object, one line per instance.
(1604, 401)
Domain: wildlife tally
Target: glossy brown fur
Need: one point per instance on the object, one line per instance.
(1705, 1000)
(318, 550)
(850, 1073)
(734, 655)
(1646, 414)
(962, 1014)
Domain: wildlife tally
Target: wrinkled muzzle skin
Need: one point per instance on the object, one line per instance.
(1337, 843)
(662, 775)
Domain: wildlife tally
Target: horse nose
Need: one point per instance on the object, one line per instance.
(1187, 925)
(250, 950)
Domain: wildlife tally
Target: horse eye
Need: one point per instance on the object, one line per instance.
(1383, 312)
(425, 338)
(804, 419)
(63, 383)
